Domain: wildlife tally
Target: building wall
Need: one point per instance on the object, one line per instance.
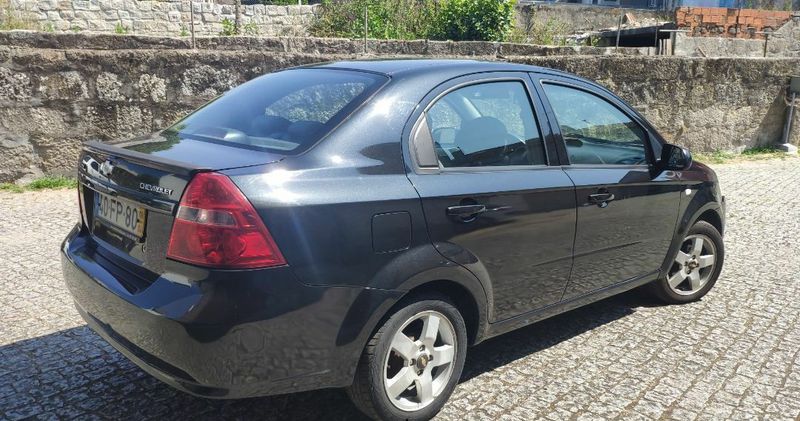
(724, 22)
(162, 18)
(58, 90)
(784, 42)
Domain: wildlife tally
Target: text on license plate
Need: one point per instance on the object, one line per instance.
(120, 213)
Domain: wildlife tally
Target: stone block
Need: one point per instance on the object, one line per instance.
(108, 87)
(64, 85)
(110, 15)
(47, 5)
(80, 4)
(113, 5)
(152, 88)
(276, 10)
(57, 155)
(14, 86)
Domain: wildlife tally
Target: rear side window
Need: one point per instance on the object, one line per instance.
(487, 124)
(594, 130)
(285, 112)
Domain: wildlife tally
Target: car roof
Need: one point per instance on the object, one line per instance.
(446, 68)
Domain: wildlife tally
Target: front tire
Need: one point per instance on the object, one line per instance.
(695, 268)
(412, 364)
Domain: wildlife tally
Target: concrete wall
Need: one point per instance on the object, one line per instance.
(162, 18)
(57, 91)
(579, 18)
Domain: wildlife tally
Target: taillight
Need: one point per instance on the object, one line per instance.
(216, 226)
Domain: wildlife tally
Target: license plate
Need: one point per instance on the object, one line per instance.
(120, 213)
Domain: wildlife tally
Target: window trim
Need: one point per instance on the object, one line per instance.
(556, 129)
(414, 147)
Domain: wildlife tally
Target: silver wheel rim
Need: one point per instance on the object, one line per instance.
(419, 363)
(693, 266)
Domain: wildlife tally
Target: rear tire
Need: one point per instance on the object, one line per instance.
(412, 363)
(695, 267)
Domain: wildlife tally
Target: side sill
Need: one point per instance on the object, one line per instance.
(516, 322)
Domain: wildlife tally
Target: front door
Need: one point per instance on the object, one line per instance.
(626, 212)
(491, 201)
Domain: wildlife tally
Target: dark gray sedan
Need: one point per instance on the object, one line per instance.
(361, 224)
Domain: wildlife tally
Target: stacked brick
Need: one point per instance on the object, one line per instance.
(734, 23)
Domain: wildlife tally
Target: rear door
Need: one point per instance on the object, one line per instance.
(494, 198)
(626, 211)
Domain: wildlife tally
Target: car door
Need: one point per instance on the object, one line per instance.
(626, 211)
(492, 201)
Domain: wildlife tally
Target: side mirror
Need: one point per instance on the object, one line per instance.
(675, 158)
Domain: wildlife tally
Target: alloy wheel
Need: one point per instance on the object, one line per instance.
(693, 266)
(419, 363)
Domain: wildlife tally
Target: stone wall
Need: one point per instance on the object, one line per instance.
(162, 18)
(58, 90)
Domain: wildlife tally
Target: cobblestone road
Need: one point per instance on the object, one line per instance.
(732, 355)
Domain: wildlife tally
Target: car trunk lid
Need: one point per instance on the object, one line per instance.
(130, 192)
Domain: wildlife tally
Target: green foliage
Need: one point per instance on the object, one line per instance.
(48, 27)
(53, 182)
(275, 2)
(44, 183)
(10, 19)
(120, 29)
(387, 19)
(250, 29)
(11, 187)
(76, 28)
(457, 20)
(551, 32)
(228, 28)
(473, 20)
(184, 31)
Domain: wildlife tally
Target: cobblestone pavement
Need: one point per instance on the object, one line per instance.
(732, 355)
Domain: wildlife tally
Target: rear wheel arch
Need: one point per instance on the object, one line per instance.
(468, 298)
(461, 297)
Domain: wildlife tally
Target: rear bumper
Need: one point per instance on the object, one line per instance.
(232, 335)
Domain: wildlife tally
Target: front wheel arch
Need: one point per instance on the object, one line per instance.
(710, 212)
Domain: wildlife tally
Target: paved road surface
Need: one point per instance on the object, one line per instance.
(732, 355)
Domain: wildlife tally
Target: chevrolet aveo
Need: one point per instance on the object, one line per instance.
(361, 224)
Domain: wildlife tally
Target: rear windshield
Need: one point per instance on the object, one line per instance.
(285, 112)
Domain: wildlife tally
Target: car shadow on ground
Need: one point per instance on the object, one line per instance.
(73, 373)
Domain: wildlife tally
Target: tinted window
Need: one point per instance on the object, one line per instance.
(594, 130)
(284, 112)
(489, 124)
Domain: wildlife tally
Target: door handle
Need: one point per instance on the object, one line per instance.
(466, 211)
(470, 212)
(601, 199)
